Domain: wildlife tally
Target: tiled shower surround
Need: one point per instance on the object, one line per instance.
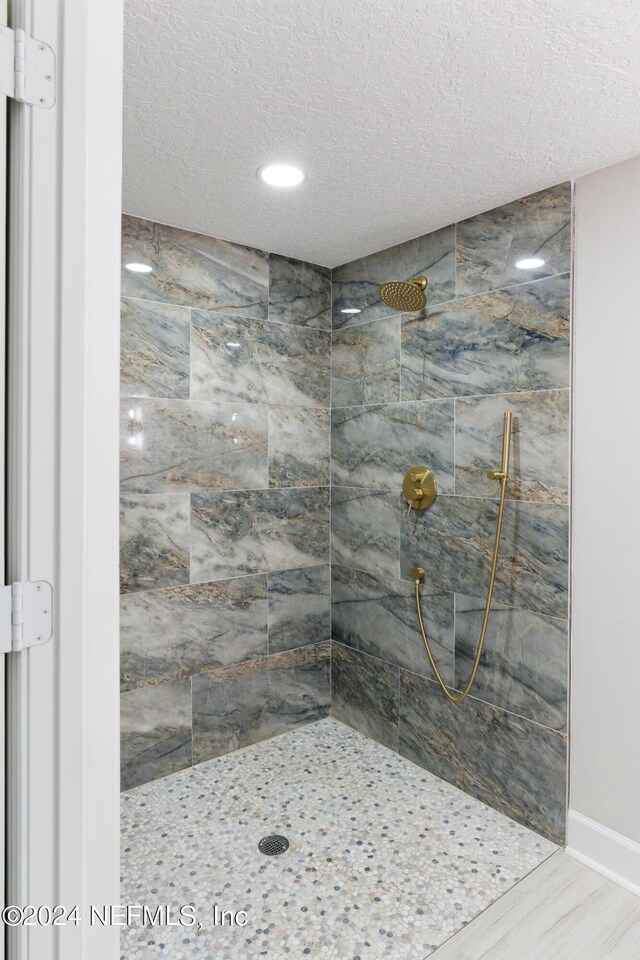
(226, 501)
(225, 498)
(431, 388)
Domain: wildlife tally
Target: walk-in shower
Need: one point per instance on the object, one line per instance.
(286, 744)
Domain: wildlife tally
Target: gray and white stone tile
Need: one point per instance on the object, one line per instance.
(524, 663)
(237, 360)
(299, 446)
(365, 363)
(377, 616)
(499, 342)
(154, 541)
(154, 349)
(194, 270)
(355, 284)
(365, 694)
(365, 529)
(187, 445)
(519, 767)
(299, 607)
(244, 532)
(252, 701)
(374, 446)
(539, 461)
(179, 631)
(489, 246)
(155, 728)
(453, 541)
(299, 292)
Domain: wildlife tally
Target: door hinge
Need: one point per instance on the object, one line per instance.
(27, 68)
(26, 615)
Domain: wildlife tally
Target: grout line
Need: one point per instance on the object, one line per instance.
(461, 398)
(229, 313)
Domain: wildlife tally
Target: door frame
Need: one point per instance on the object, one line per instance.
(62, 490)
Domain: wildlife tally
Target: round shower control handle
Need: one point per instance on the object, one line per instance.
(419, 488)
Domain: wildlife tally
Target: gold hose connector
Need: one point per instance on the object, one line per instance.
(501, 475)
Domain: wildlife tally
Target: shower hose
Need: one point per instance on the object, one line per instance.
(501, 476)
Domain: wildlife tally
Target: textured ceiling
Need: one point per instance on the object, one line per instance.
(405, 114)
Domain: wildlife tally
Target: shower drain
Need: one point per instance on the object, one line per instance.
(272, 845)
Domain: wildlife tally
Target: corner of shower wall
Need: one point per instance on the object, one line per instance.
(431, 388)
(225, 433)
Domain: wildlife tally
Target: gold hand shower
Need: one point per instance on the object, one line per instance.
(501, 475)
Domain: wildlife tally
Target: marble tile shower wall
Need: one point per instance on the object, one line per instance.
(432, 388)
(225, 619)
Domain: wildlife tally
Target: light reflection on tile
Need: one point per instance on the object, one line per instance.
(186, 445)
(155, 727)
(299, 293)
(193, 269)
(356, 284)
(499, 342)
(490, 245)
(238, 360)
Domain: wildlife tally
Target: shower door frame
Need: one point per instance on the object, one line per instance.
(62, 489)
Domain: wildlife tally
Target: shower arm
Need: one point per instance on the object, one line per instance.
(501, 475)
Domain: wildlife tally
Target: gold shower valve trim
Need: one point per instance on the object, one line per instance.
(419, 488)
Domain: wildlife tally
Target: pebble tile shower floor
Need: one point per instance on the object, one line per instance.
(385, 860)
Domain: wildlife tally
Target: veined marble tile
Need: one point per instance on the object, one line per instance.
(194, 270)
(299, 446)
(364, 694)
(258, 699)
(539, 462)
(155, 732)
(377, 616)
(514, 765)
(365, 529)
(356, 284)
(374, 447)
(299, 607)
(239, 360)
(237, 532)
(365, 363)
(524, 662)
(179, 631)
(299, 292)
(154, 349)
(500, 342)
(490, 245)
(453, 541)
(187, 445)
(154, 541)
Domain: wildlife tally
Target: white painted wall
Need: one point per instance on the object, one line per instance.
(605, 684)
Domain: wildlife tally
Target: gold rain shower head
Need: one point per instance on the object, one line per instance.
(407, 296)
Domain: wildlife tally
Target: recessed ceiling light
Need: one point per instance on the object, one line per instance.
(281, 175)
(351, 310)
(139, 267)
(529, 263)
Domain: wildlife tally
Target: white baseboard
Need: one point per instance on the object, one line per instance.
(609, 853)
